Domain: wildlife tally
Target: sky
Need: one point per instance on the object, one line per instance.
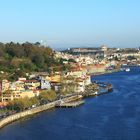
(71, 23)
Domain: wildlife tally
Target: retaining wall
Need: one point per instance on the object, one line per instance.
(32, 111)
(20, 115)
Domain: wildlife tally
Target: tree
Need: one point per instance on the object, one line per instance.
(16, 62)
(22, 103)
(38, 60)
(34, 101)
(49, 95)
(72, 60)
(27, 57)
(16, 74)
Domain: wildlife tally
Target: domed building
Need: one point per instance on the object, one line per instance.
(104, 48)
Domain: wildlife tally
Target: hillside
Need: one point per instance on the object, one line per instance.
(17, 59)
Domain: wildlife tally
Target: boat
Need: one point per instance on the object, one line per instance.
(124, 64)
(127, 69)
(96, 93)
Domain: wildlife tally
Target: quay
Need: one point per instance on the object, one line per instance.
(67, 102)
(70, 104)
(25, 113)
(90, 93)
(106, 86)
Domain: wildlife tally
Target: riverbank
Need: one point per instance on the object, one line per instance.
(106, 72)
(17, 116)
(111, 116)
(35, 110)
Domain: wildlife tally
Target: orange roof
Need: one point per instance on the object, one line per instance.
(3, 103)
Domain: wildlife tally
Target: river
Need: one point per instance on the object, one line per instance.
(113, 116)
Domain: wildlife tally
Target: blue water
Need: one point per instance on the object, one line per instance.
(113, 116)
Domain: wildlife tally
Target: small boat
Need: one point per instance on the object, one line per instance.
(127, 69)
(96, 93)
(124, 64)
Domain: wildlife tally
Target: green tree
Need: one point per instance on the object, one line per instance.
(34, 101)
(38, 60)
(49, 95)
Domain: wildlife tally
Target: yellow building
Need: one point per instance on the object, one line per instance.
(18, 85)
(31, 84)
(5, 85)
(54, 78)
(11, 95)
(6, 96)
(80, 85)
(23, 94)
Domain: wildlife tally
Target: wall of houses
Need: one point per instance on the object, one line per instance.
(95, 69)
(18, 94)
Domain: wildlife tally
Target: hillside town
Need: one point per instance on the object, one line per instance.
(70, 70)
(83, 63)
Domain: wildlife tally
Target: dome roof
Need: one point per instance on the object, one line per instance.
(104, 46)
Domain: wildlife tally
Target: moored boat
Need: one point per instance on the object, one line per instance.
(125, 69)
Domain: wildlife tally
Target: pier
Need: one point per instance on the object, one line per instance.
(90, 93)
(70, 104)
(106, 86)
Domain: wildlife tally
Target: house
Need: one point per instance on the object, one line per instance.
(5, 85)
(3, 104)
(87, 80)
(21, 89)
(44, 84)
(8, 96)
(56, 78)
(25, 93)
(76, 73)
(31, 84)
(56, 86)
(12, 95)
(18, 85)
(80, 85)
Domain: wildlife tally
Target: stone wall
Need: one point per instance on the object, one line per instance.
(32, 111)
(17, 116)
